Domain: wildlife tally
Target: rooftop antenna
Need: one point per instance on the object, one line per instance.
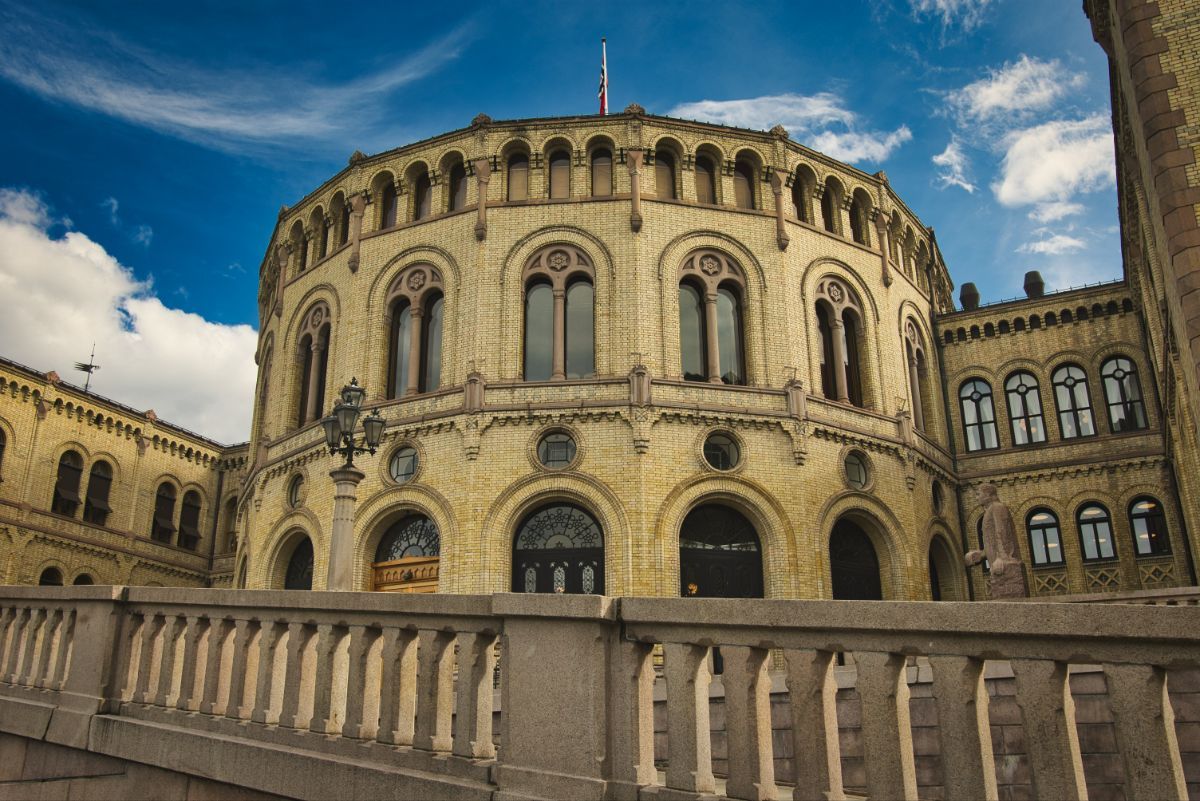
(88, 368)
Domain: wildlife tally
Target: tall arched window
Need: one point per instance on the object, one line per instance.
(1149, 526)
(1073, 401)
(918, 370)
(230, 526)
(313, 357)
(319, 226)
(831, 206)
(978, 415)
(189, 521)
(299, 573)
(664, 174)
(559, 548)
(415, 303)
(162, 525)
(828, 366)
(383, 194)
(1025, 408)
(743, 185)
(341, 212)
(860, 210)
(719, 554)
(839, 321)
(518, 176)
(803, 186)
(706, 180)
(422, 195)
(406, 559)
(66, 485)
(853, 564)
(560, 174)
(299, 246)
(96, 508)
(1095, 533)
(559, 315)
(602, 172)
(1045, 541)
(458, 186)
(1123, 393)
(715, 283)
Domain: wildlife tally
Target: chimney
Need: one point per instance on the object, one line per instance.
(1035, 287)
(968, 296)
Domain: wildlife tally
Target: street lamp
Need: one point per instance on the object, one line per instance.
(339, 437)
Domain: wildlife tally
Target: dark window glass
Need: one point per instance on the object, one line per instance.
(979, 416)
(1123, 393)
(539, 332)
(3, 442)
(938, 497)
(302, 251)
(1149, 526)
(403, 465)
(321, 232)
(96, 508)
(853, 564)
(559, 548)
(601, 172)
(66, 486)
(401, 338)
(719, 554)
(691, 334)
(305, 378)
(51, 577)
(721, 452)
(422, 197)
(388, 205)
(856, 470)
(300, 567)
(343, 225)
(411, 537)
(162, 527)
(580, 346)
(743, 185)
(800, 200)
(458, 187)
(1025, 409)
(729, 337)
(431, 346)
(858, 221)
(706, 188)
(830, 210)
(560, 174)
(1073, 401)
(83, 580)
(853, 363)
(664, 175)
(556, 450)
(1095, 533)
(518, 176)
(1045, 543)
(322, 366)
(189, 521)
(828, 377)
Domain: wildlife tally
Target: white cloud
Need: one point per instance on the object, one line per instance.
(113, 206)
(1015, 89)
(1054, 161)
(953, 163)
(821, 120)
(1053, 246)
(1055, 211)
(68, 292)
(143, 235)
(967, 13)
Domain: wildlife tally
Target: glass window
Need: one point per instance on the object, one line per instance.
(412, 536)
(1073, 401)
(856, 470)
(403, 465)
(51, 577)
(800, 200)
(294, 491)
(721, 452)
(850, 331)
(431, 346)
(96, 508)
(938, 497)
(743, 185)
(388, 204)
(556, 450)
(1149, 526)
(580, 344)
(189, 521)
(706, 189)
(664, 175)
(729, 337)
(601, 172)
(1045, 543)
(422, 197)
(1123, 393)
(828, 377)
(1025, 409)
(559, 548)
(1095, 533)
(560, 174)
(300, 567)
(162, 527)
(458, 186)
(830, 210)
(401, 342)
(66, 486)
(539, 332)
(691, 334)
(979, 417)
(518, 176)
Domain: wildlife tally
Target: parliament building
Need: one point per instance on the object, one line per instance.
(635, 355)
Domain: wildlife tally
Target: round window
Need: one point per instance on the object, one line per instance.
(856, 470)
(556, 450)
(403, 465)
(721, 452)
(294, 491)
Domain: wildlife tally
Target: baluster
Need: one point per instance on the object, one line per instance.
(435, 687)
(1051, 741)
(361, 640)
(397, 687)
(172, 627)
(473, 720)
(631, 736)
(7, 616)
(36, 627)
(53, 628)
(748, 724)
(328, 637)
(243, 631)
(886, 731)
(20, 623)
(151, 624)
(267, 643)
(688, 743)
(217, 631)
(968, 765)
(298, 635)
(66, 631)
(191, 645)
(816, 750)
(1145, 725)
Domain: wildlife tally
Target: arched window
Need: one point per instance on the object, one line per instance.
(316, 224)
(559, 548)
(299, 246)
(1149, 526)
(162, 525)
(406, 559)
(313, 357)
(719, 554)
(1073, 401)
(96, 508)
(343, 220)
(189, 521)
(1025, 408)
(839, 321)
(978, 415)
(416, 305)
(66, 486)
(230, 525)
(560, 174)
(388, 206)
(518, 176)
(664, 174)
(50, 577)
(1045, 542)
(422, 195)
(458, 186)
(1123, 393)
(706, 180)
(1095, 533)
(3, 442)
(853, 564)
(743, 185)
(559, 315)
(918, 372)
(299, 573)
(601, 172)
(803, 186)
(710, 318)
(860, 209)
(83, 580)
(831, 206)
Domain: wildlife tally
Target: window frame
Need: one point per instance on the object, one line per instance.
(1136, 405)
(1161, 516)
(1013, 397)
(96, 508)
(981, 424)
(1030, 528)
(66, 500)
(1073, 413)
(1094, 533)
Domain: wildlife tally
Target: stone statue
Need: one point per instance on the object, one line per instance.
(1007, 572)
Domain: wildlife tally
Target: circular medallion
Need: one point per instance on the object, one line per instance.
(709, 265)
(558, 260)
(416, 280)
(835, 293)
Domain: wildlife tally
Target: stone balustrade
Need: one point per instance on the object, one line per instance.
(384, 695)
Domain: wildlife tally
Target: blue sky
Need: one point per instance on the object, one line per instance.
(159, 143)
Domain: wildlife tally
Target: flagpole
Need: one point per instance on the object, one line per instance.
(603, 76)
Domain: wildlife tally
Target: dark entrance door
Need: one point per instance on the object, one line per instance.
(854, 564)
(719, 554)
(559, 548)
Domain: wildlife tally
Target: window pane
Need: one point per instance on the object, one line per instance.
(743, 186)
(729, 337)
(431, 355)
(601, 173)
(560, 174)
(539, 332)
(421, 201)
(664, 175)
(518, 177)
(705, 191)
(401, 338)
(580, 331)
(691, 333)
(388, 215)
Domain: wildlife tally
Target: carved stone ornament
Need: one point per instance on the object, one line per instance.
(480, 119)
(356, 157)
(709, 265)
(558, 260)
(835, 293)
(318, 317)
(779, 131)
(634, 108)
(416, 280)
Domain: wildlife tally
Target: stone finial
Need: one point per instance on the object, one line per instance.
(634, 108)
(480, 120)
(357, 157)
(882, 176)
(968, 296)
(152, 415)
(779, 132)
(53, 377)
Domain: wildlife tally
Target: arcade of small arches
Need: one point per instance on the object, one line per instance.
(1036, 321)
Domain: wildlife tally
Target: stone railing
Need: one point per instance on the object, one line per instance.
(371, 695)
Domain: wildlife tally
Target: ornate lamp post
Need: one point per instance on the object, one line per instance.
(339, 436)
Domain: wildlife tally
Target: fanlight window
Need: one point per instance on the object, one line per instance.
(559, 526)
(559, 548)
(66, 486)
(162, 527)
(1025, 409)
(978, 415)
(413, 536)
(1073, 401)
(1045, 541)
(96, 508)
(1123, 393)
(1149, 526)
(1095, 533)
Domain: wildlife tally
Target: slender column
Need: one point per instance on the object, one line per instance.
(1051, 741)
(358, 204)
(777, 179)
(242, 632)
(271, 631)
(559, 364)
(398, 694)
(633, 160)
(816, 750)
(166, 663)
(150, 627)
(483, 173)
(313, 411)
(435, 689)
(712, 347)
(297, 638)
(886, 730)
(53, 628)
(414, 350)
(25, 670)
(473, 715)
(964, 727)
(689, 747)
(217, 629)
(838, 329)
(361, 640)
(1146, 731)
(191, 643)
(341, 541)
(327, 639)
(281, 258)
(881, 232)
(914, 382)
(748, 726)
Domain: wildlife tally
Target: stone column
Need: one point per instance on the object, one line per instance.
(483, 174)
(633, 160)
(710, 330)
(358, 205)
(312, 411)
(559, 371)
(777, 178)
(414, 350)
(881, 232)
(839, 358)
(341, 539)
(914, 381)
(281, 258)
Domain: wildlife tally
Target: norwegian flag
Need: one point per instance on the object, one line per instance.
(603, 78)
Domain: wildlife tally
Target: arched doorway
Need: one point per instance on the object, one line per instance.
(944, 584)
(719, 554)
(853, 564)
(407, 557)
(559, 548)
(299, 574)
